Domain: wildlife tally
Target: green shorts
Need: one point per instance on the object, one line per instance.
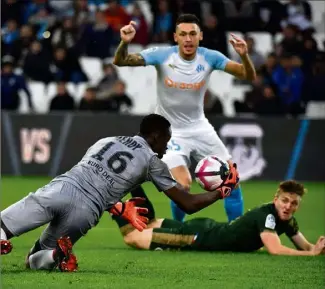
(198, 234)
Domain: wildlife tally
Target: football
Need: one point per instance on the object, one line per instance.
(210, 172)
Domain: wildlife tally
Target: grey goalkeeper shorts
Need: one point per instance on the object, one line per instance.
(60, 204)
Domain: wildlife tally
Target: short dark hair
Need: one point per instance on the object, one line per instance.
(188, 18)
(154, 123)
(291, 187)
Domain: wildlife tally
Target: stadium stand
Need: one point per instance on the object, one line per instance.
(221, 84)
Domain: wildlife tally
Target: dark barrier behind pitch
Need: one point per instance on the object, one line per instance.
(263, 148)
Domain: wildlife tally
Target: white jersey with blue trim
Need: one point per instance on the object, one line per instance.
(182, 84)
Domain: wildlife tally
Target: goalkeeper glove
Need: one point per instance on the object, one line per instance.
(129, 211)
(230, 183)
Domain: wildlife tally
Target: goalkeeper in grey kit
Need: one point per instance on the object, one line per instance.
(72, 203)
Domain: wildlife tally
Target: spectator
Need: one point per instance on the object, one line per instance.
(66, 35)
(11, 85)
(98, 39)
(81, 13)
(119, 100)
(66, 67)
(11, 9)
(290, 44)
(63, 100)
(251, 97)
(105, 86)
(61, 8)
(256, 57)
(10, 32)
(270, 14)
(308, 54)
(298, 13)
(214, 36)
(142, 35)
(116, 16)
(288, 80)
(212, 104)
(33, 8)
(240, 15)
(21, 46)
(94, 5)
(163, 23)
(37, 63)
(90, 103)
(269, 104)
(268, 67)
(43, 20)
(314, 85)
(218, 9)
(178, 7)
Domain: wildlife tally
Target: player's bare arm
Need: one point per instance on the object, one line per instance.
(245, 70)
(301, 242)
(273, 245)
(192, 203)
(122, 58)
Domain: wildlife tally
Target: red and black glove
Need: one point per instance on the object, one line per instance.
(129, 211)
(231, 182)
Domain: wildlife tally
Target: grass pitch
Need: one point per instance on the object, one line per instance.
(105, 262)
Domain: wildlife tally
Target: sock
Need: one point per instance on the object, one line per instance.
(42, 260)
(3, 235)
(234, 204)
(178, 214)
(139, 192)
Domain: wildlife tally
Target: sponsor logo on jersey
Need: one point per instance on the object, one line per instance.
(184, 85)
(244, 143)
(270, 222)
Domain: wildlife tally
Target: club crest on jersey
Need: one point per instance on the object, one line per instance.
(200, 68)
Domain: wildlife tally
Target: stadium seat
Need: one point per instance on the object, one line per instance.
(220, 83)
(263, 42)
(93, 68)
(135, 48)
(39, 96)
(320, 38)
(318, 12)
(315, 109)
(151, 45)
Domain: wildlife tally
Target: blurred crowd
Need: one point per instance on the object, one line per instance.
(46, 38)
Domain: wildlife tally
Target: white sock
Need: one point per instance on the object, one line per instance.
(3, 235)
(42, 260)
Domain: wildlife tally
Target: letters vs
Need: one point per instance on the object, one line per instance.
(35, 145)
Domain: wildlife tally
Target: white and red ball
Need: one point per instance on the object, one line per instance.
(210, 172)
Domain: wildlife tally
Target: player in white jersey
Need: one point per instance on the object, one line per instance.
(73, 203)
(183, 75)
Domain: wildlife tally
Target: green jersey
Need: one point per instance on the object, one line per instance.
(243, 234)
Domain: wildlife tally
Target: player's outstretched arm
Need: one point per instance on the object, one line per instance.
(192, 203)
(122, 58)
(246, 70)
(273, 245)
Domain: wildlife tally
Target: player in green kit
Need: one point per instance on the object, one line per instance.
(257, 228)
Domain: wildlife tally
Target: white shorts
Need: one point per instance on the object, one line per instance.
(203, 141)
